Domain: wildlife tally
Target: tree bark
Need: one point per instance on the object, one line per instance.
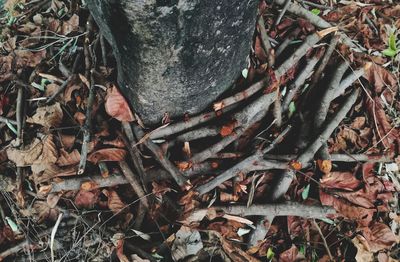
(176, 56)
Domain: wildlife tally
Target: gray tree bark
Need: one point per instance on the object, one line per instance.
(176, 56)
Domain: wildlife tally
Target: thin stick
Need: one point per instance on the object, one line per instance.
(165, 163)
(265, 42)
(7, 120)
(282, 12)
(280, 209)
(245, 118)
(338, 158)
(287, 41)
(316, 5)
(198, 133)
(324, 240)
(103, 50)
(134, 182)
(285, 179)
(241, 95)
(19, 114)
(294, 88)
(277, 140)
(53, 235)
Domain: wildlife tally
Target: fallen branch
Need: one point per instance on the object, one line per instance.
(245, 118)
(285, 179)
(338, 158)
(133, 181)
(287, 41)
(197, 134)
(294, 88)
(164, 162)
(265, 42)
(282, 12)
(280, 209)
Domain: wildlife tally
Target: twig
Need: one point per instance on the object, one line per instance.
(277, 140)
(287, 41)
(300, 80)
(134, 182)
(282, 12)
(197, 134)
(284, 180)
(251, 163)
(316, 5)
(338, 158)
(350, 79)
(87, 129)
(7, 120)
(251, 114)
(296, 9)
(19, 115)
(324, 240)
(281, 209)
(254, 88)
(165, 163)
(53, 235)
(67, 81)
(103, 50)
(265, 42)
(307, 44)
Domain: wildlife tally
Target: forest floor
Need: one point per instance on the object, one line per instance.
(297, 162)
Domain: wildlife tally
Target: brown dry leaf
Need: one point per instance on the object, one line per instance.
(42, 211)
(289, 255)
(115, 203)
(86, 199)
(71, 25)
(51, 89)
(48, 156)
(6, 68)
(89, 185)
(107, 154)
(27, 58)
(80, 118)
(47, 116)
(69, 91)
(25, 157)
(120, 250)
(118, 142)
(52, 200)
(340, 180)
(380, 77)
(380, 236)
(67, 141)
(358, 123)
(364, 253)
(67, 159)
(116, 105)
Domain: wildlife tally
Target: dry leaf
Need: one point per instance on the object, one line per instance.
(25, 157)
(47, 116)
(67, 141)
(116, 105)
(86, 199)
(380, 77)
(48, 156)
(80, 118)
(107, 154)
(324, 165)
(67, 159)
(115, 203)
(71, 25)
(42, 212)
(340, 180)
(226, 130)
(289, 255)
(379, 237)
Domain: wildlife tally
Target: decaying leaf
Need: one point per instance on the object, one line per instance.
(42, 211)
(47, 116)
(115, 203)
(48, 157)
(187, 242)
(341, 180)
(67, 159)
(380, 77)
(27, 156)
(364, 253)
(289, 255)
(379, 236)
(107, 154)
(86, 199)
(116, 105)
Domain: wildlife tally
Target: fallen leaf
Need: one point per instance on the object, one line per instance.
(71, 25)
(115, 203)
(227, 129)
(379, 236)
(42, 212)
(48, 156)
(67, 159)
(289, 255)
(116, 105)
(80, 118)
(25, 157)
(47, 116)
(187, 242)
(380, 77)
(324, 165)
(107, 154)
(340, 180)
(86, 199)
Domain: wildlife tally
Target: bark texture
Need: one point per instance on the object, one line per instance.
(176, 56)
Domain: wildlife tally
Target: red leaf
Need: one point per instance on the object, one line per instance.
(86, 199)
(107, 154)
(116, 105)
(340, 180)
(379, 77)
(379, 236)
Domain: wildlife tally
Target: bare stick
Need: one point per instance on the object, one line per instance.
(198, 133)
(165, 163)
(282, 12)
(316, 5)
(324, 240)
(277, 140)
(252, 163)
(19, 114)
(307, 44)
(287, 41)
(338, 158)
(300, 80)
(254, 88)
(251, 114)
(103, 50)
(285, 179)
(281, 209)
(134, 182)
(265, 41)
(7, 120)
(326, 100)
(350, 79)
(53, 235)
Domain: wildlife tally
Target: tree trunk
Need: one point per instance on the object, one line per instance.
(176, 56)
